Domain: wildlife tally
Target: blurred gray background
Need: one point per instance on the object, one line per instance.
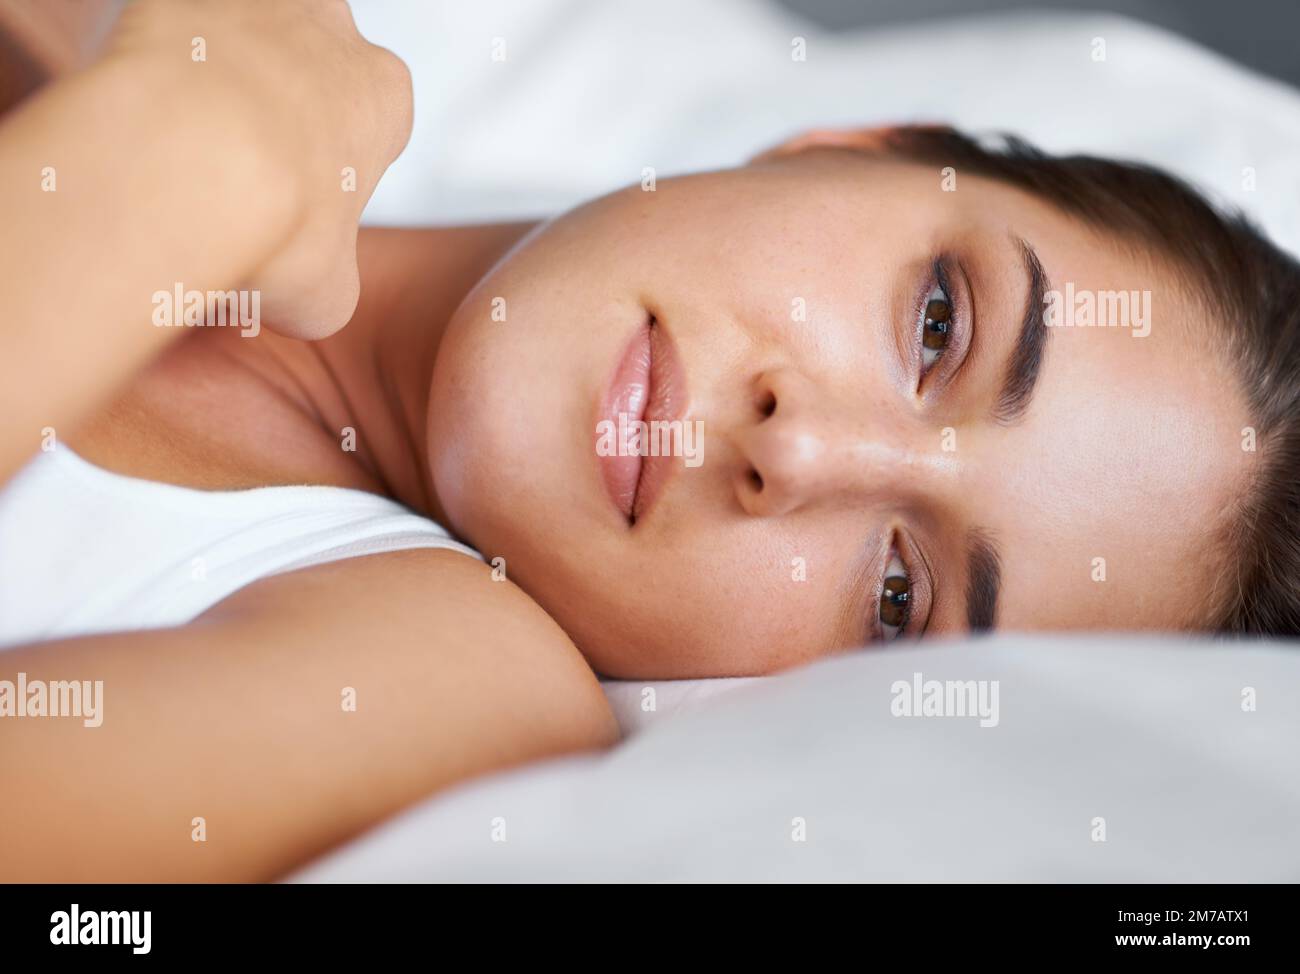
(1264, 34)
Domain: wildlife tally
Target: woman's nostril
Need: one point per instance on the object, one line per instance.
(767, 404)
(756, 480)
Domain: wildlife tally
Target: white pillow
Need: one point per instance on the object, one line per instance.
(1152, 740)
(638, 704)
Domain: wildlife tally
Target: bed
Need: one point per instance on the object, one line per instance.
(1112, 757)
(1116, 759)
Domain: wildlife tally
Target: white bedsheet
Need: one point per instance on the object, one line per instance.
(1149, 734)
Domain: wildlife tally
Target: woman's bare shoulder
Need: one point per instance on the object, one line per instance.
(438, 601)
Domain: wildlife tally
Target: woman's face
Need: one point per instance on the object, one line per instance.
(844, 441)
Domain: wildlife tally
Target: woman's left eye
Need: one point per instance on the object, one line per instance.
(895, 597)
(936, 326)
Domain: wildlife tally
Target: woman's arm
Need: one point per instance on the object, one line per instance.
(104, 204)
(239, 719)
(206, 148)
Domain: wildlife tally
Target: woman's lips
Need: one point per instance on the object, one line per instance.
(626, 396)
(649, 386)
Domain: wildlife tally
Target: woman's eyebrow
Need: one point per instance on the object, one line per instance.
(984, 578)
(1027, 355)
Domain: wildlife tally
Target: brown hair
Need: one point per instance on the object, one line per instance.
(1253, 291)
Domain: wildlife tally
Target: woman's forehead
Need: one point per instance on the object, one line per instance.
(1124, 471)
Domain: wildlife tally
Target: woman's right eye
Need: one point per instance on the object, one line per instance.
(936, 326)
(895, 594)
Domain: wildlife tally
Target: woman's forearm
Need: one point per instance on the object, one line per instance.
(109, 195)
(298, 712)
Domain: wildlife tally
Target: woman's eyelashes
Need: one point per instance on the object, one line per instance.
(895, 597)
(903, 605)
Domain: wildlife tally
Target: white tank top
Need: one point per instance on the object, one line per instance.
(84, 550)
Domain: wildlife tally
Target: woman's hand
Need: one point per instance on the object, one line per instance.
(325, 110)
(212, 146)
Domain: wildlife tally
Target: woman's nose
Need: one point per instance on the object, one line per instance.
(805, 447)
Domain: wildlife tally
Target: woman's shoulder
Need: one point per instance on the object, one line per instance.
(482, 627)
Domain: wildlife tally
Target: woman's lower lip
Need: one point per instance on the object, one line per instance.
(625, 404)
(665, 407)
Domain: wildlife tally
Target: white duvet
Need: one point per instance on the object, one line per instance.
(1111, 757)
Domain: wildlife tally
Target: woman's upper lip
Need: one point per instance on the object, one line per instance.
(649, 385)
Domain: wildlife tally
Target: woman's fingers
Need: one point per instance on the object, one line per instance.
(330, 110)
(311, 289)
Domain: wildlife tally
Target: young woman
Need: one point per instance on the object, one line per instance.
(892, 440)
